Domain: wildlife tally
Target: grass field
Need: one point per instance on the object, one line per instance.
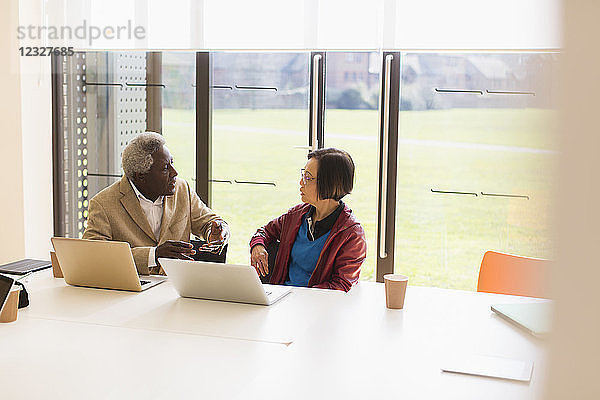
(440, 238)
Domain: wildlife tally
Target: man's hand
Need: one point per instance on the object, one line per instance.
(175, 249)
(259, 259)
(217, 238)
(218, 232)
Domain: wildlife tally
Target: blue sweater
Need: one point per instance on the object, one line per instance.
(304, 256)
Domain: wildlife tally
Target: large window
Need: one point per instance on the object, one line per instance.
(178, 111)
(352, 99)
(100, 105)
(477, 151)
(259, 136)
(476, 143)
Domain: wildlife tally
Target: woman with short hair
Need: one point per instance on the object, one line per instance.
(322, 244)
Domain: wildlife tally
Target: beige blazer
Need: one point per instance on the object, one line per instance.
(115, 214)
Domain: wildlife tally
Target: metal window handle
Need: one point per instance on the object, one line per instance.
(315, 96)
(385, 109)
(509, 92)
(468, 91)
(481, 92)
(256, 183)
(241, 182)
(105, 175)
(246, 87)
(217, 86)
(453, 192)
(514, 196)
(103, 84)
(146, 84)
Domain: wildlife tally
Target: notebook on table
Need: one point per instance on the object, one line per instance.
(489, 366)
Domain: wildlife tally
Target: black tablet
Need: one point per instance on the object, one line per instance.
(218, 256)
(23, 267)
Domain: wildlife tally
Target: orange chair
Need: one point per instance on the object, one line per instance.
(508, 274)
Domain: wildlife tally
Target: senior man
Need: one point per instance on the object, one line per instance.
(152, 209)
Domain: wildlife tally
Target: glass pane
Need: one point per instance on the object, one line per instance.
(178, 114)
(260, 134)
(476, 162)
(111, 110)
(351, 124)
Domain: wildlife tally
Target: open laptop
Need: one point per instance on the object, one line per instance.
(100, 264)
(216, 281)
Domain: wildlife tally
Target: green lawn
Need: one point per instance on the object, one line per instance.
(439, 238)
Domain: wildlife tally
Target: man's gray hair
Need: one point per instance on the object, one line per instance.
(137, 156)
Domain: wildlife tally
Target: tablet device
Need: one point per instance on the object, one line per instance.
(23, 267)
(6, 284)
(217, 256)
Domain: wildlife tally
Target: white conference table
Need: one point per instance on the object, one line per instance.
(100, 344)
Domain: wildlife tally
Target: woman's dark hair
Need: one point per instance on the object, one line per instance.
(335, 173)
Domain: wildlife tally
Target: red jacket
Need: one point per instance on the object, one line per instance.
(338, 266)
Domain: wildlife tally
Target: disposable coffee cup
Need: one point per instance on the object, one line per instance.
(395, 290)
(56, 271)
(9, 311)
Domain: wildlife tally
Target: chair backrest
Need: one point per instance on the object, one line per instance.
(509, 274)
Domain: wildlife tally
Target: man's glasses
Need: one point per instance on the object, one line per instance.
(306, 176)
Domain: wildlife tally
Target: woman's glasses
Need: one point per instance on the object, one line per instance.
(306, 176)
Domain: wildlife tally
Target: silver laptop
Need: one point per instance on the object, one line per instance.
(100, 264)
(216, 281)
(535, 318)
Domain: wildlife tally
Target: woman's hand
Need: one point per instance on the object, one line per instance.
(259, 259)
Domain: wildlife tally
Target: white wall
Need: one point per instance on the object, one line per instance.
(36, 109)
(26, 108)
(12, 243)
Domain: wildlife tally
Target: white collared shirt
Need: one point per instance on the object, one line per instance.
(154, 213)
